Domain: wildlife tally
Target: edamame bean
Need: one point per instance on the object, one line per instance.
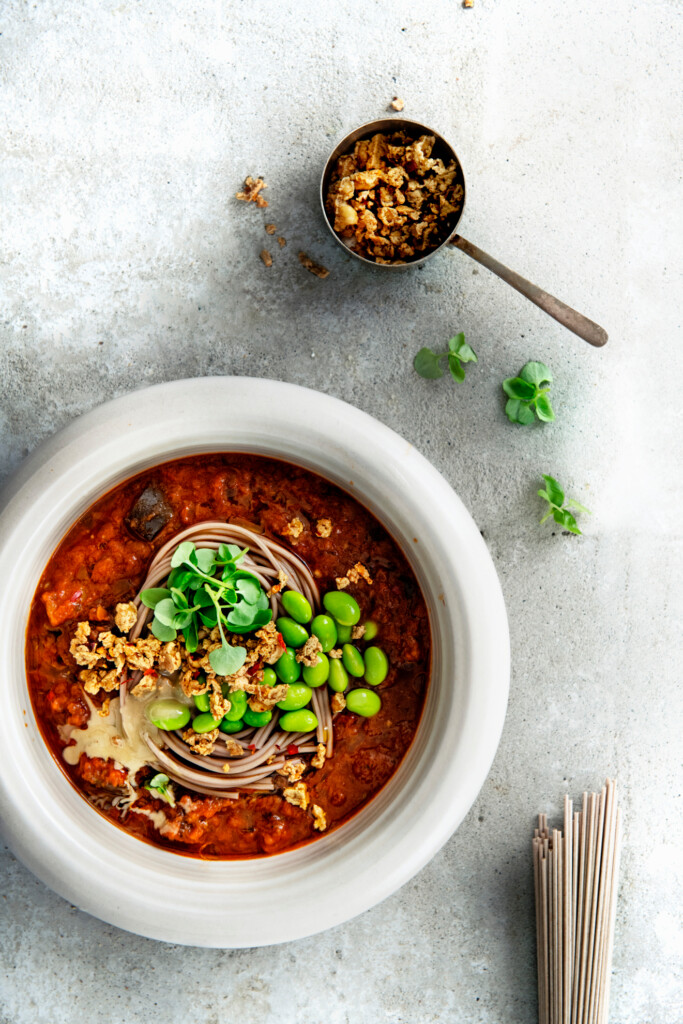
(298, 696)
(353, 660)
(324, 627)
(205, 722)
(269, 677)
(339, 678)
(342, 606)
(363, 702)
(316, 675)
(231, 726)
(287, 668)
(376, 665)
(201, 701)
(293, 634)
(371, 630)
(298, 721)
(238, 705)
(168, 714)
(296, 605)
(343, 634)
(257, 718)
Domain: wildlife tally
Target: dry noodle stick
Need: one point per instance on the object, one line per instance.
(585, 900)
(537, 894)
(612, 920)
(566, 911)
(607, 864)
(601, 874)
(597, 861)
(544, 939)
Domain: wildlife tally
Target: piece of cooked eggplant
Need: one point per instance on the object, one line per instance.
(149, 514)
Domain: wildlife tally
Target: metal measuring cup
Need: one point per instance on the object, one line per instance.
(565, 315)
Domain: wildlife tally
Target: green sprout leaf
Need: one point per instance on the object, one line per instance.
(528, 394)
(206, 560)
(162, 632)
(159, 785)
(182, 554)
(150, 598)
(226, 660)
(554, 495)
(428, 363)
(165, 611)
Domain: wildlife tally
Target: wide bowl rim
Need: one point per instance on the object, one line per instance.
(53, 830)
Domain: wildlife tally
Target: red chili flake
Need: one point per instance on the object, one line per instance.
(150, 672)
(292, 749)
(255, 668)
(251, 746)
(281, 642)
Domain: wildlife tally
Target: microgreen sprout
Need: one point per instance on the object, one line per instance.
(159, 785)
(207, 588)
(427, 363)
(526, 395)
(557, 508)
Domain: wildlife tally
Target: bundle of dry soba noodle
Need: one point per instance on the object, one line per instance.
(575, 875)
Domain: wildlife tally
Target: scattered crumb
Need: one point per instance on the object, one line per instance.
(315, 268)
(358, 632)
(336, 652)
(342, 582)
(319, 759)
(270, 229)
(468, 3)
(266, 257)
(125, 617)
(338, 703)
(282, 242)
(297, 795)
(323, 527)
(359, 572)
(320, 821)
(251, 191)
(294, 528)
(397, 103)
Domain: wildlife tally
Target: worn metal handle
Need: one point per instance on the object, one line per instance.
(565, 315)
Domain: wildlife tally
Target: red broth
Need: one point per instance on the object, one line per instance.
(100, 562)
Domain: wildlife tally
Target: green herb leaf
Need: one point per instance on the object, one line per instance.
(457, 346)
(162, 632)
(454, 366)
(182, 619)
(536, 373)
(249, 588)
(150, 598)
(426, 363)
(226, 660)
(164, 612)
(573, 503)
(544, 409)
(191, 636)
(515, 387)
(518, 412)
(209, 618)
(159, 786)
(206, 560)
(554, 491)
(182, 554)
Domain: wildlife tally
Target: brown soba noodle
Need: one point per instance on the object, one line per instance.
(265, 749)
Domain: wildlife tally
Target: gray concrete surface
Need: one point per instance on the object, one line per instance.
(127, 127)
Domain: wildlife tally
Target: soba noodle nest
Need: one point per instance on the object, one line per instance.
(265, 748)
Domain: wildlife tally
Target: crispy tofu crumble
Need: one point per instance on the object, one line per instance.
(308, 654)
(282, 242)
(297, 795)
(357, 573)
(319, 758)
(233, 747)
(266, 257)
(251, 191)
(397, 103)
(294, 528)
(336, 652)
(125, 616)
(323, 527)
(320, 820)
(338, 703)
(342, 582)
(358, 632)
(292, 770)
(315, 268)
(391, 199)
(201, 742)
(270, 229)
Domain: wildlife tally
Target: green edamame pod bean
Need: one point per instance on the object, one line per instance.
(324, 627)
(296, 605)
(238, 705)
(316, 675)
(205, 722)
(298, 721)
(269, 677)
(287, 668)
(371, 630)
(293, 634)
(298, 696)
(257, 718)
(343, 634)
(201, 701)
(339, 678)
(376, 665)
(353, 660)
(168, 714)
(363, 702)
(342, 606)
(226, 726)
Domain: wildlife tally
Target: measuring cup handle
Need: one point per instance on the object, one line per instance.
(565, 315)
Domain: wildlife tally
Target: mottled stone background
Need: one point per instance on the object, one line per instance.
(127, 127)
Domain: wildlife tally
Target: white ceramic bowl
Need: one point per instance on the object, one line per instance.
(114, 876)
